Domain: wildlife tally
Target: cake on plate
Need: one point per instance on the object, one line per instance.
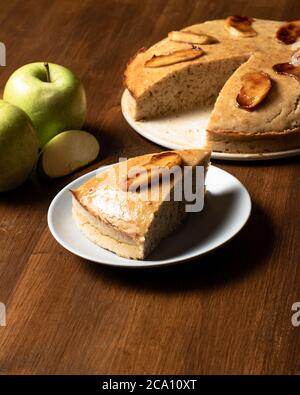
(222, 62)
(132, 205)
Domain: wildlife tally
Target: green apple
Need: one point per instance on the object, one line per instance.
(67, 152)
(52, 96)
(18, 146)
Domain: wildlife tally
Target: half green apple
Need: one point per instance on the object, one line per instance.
(67, 152)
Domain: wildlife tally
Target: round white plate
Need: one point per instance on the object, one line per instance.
(186, 130)
(227, 208)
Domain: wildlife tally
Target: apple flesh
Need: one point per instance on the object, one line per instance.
(67, 152)
(51, 95)
(18, 146)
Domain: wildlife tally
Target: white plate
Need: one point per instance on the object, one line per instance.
(186, 130)
(227, 208)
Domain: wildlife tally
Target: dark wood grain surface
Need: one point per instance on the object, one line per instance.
(228, 312)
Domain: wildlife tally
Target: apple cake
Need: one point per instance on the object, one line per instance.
(129, 207)
(225, 62)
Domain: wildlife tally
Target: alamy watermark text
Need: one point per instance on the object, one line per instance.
(2, 54)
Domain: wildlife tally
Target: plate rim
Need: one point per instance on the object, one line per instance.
(215, 154)
(134, 263)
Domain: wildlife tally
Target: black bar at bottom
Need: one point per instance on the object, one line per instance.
(96, 384)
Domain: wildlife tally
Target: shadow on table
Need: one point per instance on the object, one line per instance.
(243, 255)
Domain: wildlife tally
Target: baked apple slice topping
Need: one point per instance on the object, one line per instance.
(190, 37)
(183, 55)
(140, 177)
(165, 159)
(289, 32)
(288, 69)
(255, 87)
(240, 26)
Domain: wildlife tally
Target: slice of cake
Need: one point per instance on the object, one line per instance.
(130, 207)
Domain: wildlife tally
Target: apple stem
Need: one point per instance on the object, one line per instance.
(47, 71)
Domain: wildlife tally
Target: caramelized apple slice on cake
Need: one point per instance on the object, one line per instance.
(240, 26)
(158, 165)
(190, 37)
(183, 55)
(289, 32)
(255, 87)
(288, 69)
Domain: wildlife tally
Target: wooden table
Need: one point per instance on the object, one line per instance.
(229, 312)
